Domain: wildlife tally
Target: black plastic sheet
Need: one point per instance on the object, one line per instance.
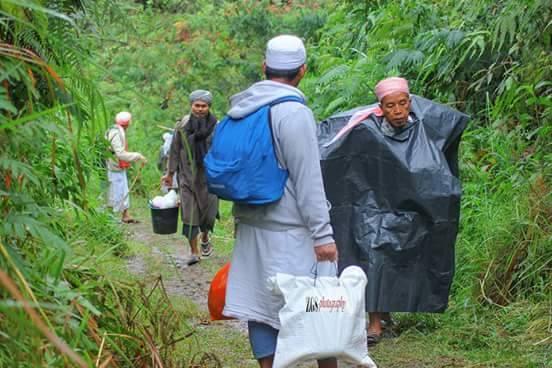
(396, 204)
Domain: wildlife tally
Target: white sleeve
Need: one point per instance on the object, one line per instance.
(118, 147)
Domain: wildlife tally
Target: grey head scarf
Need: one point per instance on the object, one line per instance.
(201, 95)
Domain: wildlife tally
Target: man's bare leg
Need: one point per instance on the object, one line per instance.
(266, 362)
(374, 325)
(374, 328)
(125, 216)
(327, 363)
(193, 246)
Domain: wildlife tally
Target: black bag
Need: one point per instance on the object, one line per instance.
(396, 204)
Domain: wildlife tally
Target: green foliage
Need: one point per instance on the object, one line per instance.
(219, 46)
(492, 60)
(463, 53)
(69, 66)
(52, 242)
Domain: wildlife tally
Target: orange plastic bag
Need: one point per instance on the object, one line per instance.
(217, 294)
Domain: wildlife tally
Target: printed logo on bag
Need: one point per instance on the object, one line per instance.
(314, 304)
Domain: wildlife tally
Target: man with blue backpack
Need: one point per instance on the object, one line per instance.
(265, 158)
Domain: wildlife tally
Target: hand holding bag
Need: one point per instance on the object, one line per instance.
(322, 318)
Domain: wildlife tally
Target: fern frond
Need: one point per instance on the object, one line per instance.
(334, 73)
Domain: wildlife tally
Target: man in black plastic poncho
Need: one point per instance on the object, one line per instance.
(395, 194)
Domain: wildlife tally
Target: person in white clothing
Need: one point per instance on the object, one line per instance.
(293, 234)
(117, 165)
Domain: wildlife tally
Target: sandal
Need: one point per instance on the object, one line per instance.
(372, 339)
(206, 248)
(193, 260)
(130, 221)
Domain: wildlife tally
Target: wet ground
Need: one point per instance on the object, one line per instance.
(167, 255)
(170, 253)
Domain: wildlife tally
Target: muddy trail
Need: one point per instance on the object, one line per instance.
(165, 255)
(172, 253)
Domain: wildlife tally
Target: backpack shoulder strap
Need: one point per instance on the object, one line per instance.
(276, 102)
(279, 101)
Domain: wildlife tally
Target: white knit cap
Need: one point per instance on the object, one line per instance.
(285, 52)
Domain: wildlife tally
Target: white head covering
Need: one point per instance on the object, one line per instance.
(123, 118)
(285, 52)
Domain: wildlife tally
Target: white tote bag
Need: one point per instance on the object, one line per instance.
(322, 318)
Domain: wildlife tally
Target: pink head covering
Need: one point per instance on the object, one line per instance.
(391, 85)
(123, 118)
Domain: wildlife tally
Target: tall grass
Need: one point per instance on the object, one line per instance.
(58, 308)
(491, 60)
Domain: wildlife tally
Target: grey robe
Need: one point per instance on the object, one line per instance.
(198, 206)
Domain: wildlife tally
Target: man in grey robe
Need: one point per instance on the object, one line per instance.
(291, 235)
(191, 140)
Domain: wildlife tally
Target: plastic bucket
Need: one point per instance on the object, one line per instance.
(164, 220)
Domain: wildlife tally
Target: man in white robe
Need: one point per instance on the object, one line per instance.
(291, 235)
(118, 195)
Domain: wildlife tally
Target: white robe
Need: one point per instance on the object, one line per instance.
(248, 296)
(118, 197)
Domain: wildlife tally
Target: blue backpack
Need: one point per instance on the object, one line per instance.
(241, 165)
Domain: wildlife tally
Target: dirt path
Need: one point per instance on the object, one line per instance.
(169, 253)
(166, 254)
